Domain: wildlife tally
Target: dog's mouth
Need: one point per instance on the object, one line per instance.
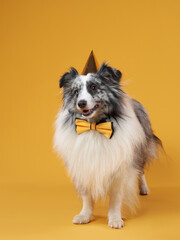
(88, 112)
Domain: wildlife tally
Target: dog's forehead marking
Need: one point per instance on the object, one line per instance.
(81, 80)
(85, 78)
(84, 94)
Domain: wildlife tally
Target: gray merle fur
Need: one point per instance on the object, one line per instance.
(143, 153)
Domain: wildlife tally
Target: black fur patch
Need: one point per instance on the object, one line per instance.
(110, 73)
(64, 80)
(92, 87)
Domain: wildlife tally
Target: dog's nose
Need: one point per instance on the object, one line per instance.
(82, 103)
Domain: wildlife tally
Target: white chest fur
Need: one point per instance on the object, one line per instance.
(93, 160)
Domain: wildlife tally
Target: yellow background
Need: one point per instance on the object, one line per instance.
(39, 41)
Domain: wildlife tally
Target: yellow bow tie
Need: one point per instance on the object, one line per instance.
(106, 128)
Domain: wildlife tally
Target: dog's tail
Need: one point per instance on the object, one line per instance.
(158, 141)
(159, 146)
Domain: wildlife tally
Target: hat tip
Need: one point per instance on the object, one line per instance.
(91, 65)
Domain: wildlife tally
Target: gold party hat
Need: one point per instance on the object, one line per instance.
(91, 65)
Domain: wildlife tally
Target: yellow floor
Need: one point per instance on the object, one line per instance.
(39, 212)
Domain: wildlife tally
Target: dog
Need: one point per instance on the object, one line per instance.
(105, 138)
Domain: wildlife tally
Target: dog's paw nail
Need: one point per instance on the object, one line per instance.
(118, 223)
(81, 219)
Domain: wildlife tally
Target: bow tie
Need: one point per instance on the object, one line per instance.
(106, 128)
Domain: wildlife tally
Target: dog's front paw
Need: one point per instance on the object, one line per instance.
(81, 219)
(116, 223)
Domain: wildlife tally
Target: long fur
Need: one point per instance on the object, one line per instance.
(98, 164)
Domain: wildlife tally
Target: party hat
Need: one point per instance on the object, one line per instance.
(91, 65)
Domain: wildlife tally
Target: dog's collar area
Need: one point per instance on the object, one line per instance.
(105, 128)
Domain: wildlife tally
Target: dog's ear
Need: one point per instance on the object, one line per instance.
(109, 73)
(64, 80)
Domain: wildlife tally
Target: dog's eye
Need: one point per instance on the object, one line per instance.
(93, 87)
(76, 91)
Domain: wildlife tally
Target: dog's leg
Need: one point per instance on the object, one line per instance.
(115, 202)
(85, 215)
(143, 188)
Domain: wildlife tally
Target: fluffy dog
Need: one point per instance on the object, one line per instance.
(105, 138)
